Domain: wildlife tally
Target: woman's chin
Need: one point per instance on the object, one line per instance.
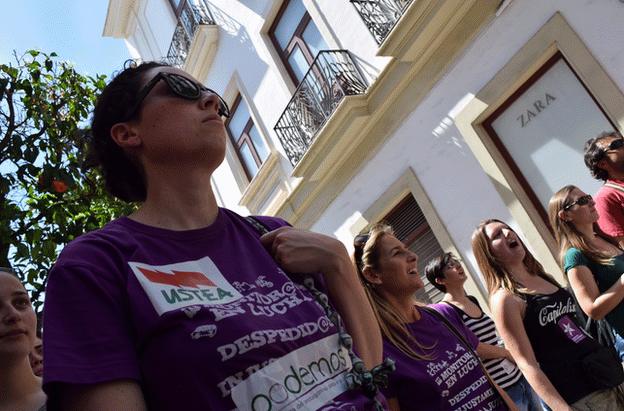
(418, 285)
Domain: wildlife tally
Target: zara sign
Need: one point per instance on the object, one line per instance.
(543, 130)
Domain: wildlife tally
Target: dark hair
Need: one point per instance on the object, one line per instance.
(123, 175)
(594, 152)
(435, 269)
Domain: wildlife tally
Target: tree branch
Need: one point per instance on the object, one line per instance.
(4, 143)
(38, 133)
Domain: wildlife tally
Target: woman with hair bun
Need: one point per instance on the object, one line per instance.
(183, 305)
(20, 389)
(437, 367)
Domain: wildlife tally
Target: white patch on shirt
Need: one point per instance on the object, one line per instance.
(208, 330)
(174, 286)
(191, 311)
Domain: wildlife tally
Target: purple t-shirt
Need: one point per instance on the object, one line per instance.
(201, 319)
(451, 380)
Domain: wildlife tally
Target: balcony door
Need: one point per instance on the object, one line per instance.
(296, 38)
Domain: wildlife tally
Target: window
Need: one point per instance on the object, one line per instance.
(296, 38)
(249, 144)
(411, 227)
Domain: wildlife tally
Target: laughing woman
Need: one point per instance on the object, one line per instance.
(537, 320)
(437, 367)
(181, 305)
(592, 260)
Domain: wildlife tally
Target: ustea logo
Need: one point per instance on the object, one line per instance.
(184, 284)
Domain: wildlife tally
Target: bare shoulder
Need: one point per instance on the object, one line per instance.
(504, 301)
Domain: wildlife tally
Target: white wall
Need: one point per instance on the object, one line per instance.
(244, 60)
(429, 142)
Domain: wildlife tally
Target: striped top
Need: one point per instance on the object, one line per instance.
(503, 372)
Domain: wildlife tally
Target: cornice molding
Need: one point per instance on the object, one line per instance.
(121, 18)
(259, 191)
(202, 51)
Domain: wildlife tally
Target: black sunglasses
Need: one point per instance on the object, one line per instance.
(182, 87)
(360, 240)
(584, 200)
(452, 263)
(615, 145)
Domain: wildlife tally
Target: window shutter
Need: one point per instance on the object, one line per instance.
(411, 227)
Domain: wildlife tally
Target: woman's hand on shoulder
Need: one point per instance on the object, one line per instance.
(302, 251)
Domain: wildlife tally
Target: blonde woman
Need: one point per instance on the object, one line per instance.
(436, 364)
(20, 389)
(592, 260)
(537, 320)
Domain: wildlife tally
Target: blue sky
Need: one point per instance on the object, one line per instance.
(72, 28)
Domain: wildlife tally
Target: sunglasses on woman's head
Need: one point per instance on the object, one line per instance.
(584, 200)
(452, 263)
(360, 240)
(180, 86)
(615, 145)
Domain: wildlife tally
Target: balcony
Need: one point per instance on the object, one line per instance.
(380, 16)
(194, 40)
(331, 77)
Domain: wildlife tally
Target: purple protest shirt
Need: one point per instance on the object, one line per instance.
(452, 380)
(201, 320)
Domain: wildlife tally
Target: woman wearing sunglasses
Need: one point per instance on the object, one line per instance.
(592, 260)
(181, 305)
(437, 367)
(537, 319)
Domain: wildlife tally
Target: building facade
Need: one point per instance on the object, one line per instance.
(430, 114)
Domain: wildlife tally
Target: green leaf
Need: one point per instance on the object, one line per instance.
(52, 94)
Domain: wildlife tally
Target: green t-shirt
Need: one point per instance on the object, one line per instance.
(605, 276)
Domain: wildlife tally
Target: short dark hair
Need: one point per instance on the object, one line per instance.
(594, 152)
(435, 269)
(123, 175)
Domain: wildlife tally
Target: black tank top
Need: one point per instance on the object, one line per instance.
(559, 342)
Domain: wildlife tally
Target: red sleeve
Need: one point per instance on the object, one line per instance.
(611, 213)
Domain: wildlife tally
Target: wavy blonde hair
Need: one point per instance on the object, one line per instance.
(392, 323)
(568, 236)
(495, 273)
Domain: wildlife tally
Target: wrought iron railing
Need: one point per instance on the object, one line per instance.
(191, 17)
(380, 16)
(331, 77)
